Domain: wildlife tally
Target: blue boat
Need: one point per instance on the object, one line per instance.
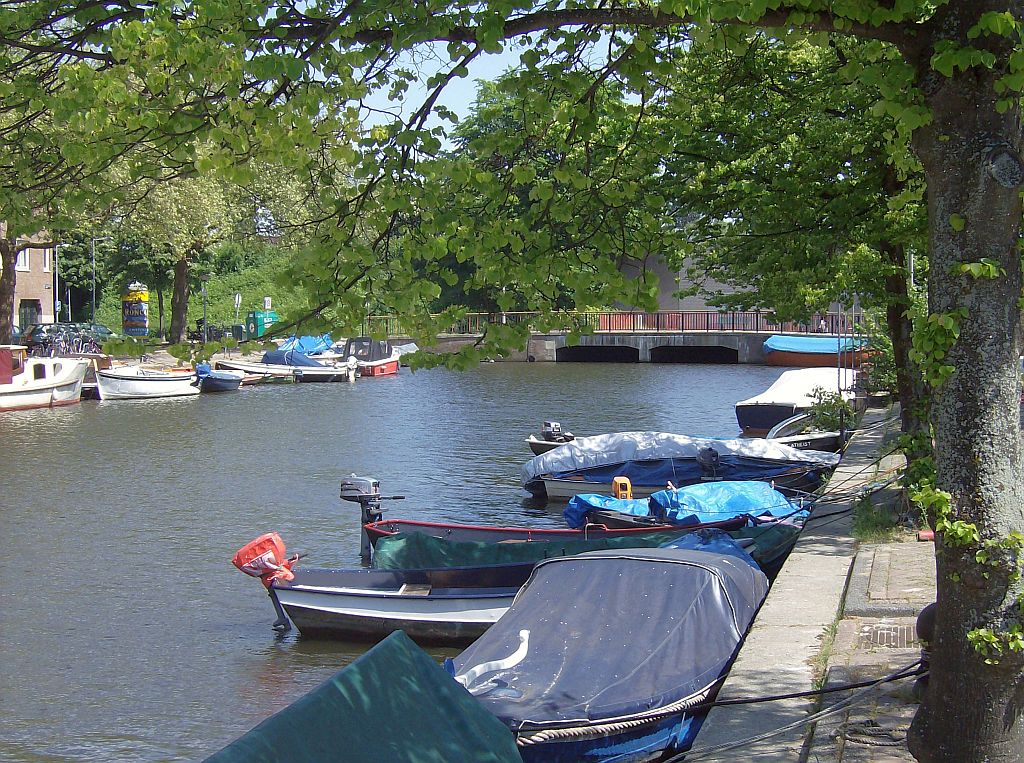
(814, 351)
(701, 503)
(609, 655)
(211, 380)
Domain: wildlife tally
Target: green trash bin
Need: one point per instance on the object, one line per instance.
(238, 332)
(257, 323)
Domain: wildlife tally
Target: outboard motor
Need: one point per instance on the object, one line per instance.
(709, 460)
(366, 492)
(552, 432)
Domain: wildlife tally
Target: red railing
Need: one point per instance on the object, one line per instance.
(665, 321)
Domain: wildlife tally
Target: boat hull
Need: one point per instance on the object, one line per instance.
(815, 359)
(451, 606)
(486, 534)
(280, 372)
(756, 419)
(135, 383)
(221, 381)
(59, 384)
(387, 368)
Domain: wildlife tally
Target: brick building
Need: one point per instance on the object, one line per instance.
(34, 300)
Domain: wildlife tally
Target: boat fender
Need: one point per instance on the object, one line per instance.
(265, 558)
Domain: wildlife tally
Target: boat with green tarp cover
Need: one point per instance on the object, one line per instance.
(393, 703)
(769, 544)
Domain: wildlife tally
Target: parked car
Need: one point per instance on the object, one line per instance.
(97, 331)
(39, 334)
(15, 335)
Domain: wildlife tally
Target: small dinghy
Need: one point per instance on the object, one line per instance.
(551, 436)
(211, 380)
(446, 606)
(136, 382)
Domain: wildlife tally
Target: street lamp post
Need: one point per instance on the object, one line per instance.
(92, 319)
(203, 279)
(56, 284)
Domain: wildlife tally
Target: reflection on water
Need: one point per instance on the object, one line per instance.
(126, 633)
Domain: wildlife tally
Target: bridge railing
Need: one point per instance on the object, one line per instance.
(665, 321)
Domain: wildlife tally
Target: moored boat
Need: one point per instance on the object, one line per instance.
(136, 382)
(218, 380)
(815, 351)
(375, 357)
(607, 655)
(443, 606)
(489, 534)
(650, 460)
(703, 503)
(291, 365)
(792, 393)
(551, 436)
(38, 382)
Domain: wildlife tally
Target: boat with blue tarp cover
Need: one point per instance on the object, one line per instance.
(308, 345)
(609, 655)
(650, 460)
(392, 703)
(294, 364)
(814, 350)
(703, 502)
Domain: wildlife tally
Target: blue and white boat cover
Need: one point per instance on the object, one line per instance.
(611, 637)
(308, 345)
(290, 358)
(813, 345)
(613, 450)
(692, 504)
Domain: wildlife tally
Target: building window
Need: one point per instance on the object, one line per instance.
(46, 260)
(22, 262)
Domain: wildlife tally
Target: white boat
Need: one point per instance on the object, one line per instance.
(650, 460)
(136, 382)
(790, 394)
(293, 366)
(38, 382)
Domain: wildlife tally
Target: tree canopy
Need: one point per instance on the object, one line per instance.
(197, 87)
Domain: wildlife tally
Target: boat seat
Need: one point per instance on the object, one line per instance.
(415, 589)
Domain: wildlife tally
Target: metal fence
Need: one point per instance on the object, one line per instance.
(665, 321)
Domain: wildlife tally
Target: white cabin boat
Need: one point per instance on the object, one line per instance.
(136, 382)
(38, 382)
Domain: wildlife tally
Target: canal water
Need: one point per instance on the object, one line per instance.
(126, 634)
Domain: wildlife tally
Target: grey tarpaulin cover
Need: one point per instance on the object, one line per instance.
(613, 634)
(393, 703)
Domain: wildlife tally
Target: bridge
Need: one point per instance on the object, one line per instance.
(669, 336)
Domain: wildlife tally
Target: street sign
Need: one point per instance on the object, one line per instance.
(238, 300)
(266, 303)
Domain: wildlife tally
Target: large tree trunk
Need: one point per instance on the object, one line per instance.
(8, 256)
(179, 302)
(972, 709)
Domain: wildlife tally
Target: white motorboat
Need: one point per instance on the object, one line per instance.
(292, 365)
(650, 460)
(136, 382)
(790, 394)
(38, 382)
